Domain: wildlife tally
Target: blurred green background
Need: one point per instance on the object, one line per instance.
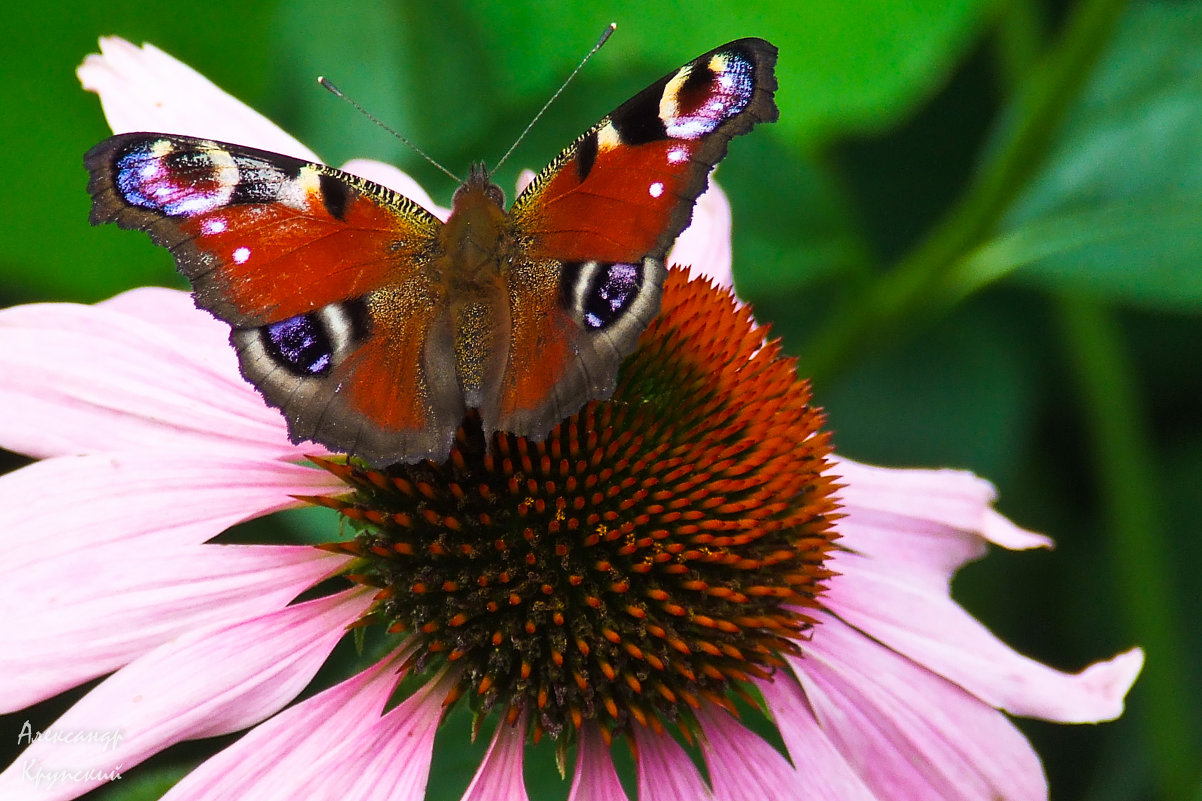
(979, 225)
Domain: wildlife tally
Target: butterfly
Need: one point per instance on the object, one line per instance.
(374, 327)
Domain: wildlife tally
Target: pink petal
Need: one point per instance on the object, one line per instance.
(389, 759)
(997, 529)
(665, 771)
(906, 533)
(932, 629)
(266, 762)
(704, 246)
(909, 733)
(595, 778)
(525, 177)
(828, 776)
(76, 503)
(334, 745)
(79, 379)
(499, 777)
(742, 766)
(83, 614)
(953, 500)
(175, 312)
(203, 684)
(393, 178)
(144, 89)
(929, 552)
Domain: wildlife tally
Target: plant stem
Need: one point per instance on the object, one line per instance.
(1130, 503)
(912, 287)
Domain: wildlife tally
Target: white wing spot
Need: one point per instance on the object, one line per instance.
(241, 254)
(656, 189)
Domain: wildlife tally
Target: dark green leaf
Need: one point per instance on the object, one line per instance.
(1117, 209)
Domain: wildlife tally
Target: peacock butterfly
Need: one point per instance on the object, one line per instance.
(374, 327)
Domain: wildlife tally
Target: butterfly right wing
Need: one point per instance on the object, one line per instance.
(321, 276)
(599, 221)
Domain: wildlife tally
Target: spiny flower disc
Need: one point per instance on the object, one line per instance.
(653, 552)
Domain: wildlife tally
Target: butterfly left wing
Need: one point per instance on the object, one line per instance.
(320, 274)
(599, 221)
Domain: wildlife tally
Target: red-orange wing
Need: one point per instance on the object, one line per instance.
(319, 273)
(600, 219)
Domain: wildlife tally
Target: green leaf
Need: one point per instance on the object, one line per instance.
(1117, 210)
(367, 71)
(1144, 252)
(47, 249)
(861, 66)
(792, 229)
(843, 66)
(961, 397)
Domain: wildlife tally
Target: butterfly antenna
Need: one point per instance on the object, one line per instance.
(600, 42)
(334, 90)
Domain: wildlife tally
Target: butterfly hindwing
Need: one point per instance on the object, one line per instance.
(606, 211)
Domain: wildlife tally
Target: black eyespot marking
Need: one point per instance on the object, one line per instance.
(335, 195)
(603, 292)
(260, 181)
(299, 344)
(359, 319)
(637, 120)
(251, 189)
(700, 79)
(586, 154)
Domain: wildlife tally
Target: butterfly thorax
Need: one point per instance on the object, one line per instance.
(472, 254)
(472, 238)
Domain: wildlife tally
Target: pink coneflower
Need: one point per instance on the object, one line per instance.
(686, 551)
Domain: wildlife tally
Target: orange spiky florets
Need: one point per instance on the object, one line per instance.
(655, 549)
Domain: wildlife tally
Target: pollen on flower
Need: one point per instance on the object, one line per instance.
(654, 552)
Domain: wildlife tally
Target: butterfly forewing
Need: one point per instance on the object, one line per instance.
(625, 189)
